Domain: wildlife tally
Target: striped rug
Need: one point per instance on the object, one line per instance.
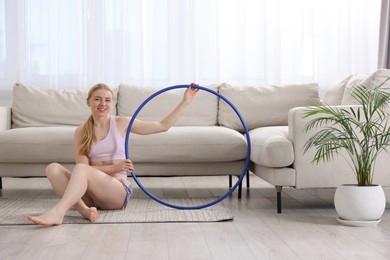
(139, 210)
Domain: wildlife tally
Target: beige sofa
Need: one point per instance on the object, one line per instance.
(302, 173)
(207, 140)
(38, 129)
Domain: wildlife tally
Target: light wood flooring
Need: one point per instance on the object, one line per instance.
(307, 228)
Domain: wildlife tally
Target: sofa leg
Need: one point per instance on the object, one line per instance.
(247, 179)
(239, 186)
(279, 198)
(239, 190)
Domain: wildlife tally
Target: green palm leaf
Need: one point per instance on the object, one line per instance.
(362, 131)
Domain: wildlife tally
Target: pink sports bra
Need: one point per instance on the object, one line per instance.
(111, 148)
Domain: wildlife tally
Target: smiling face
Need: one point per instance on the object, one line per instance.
(100, 100)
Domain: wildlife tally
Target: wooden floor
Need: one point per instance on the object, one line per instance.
(307, 228)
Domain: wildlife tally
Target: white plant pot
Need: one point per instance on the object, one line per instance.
(359, 205)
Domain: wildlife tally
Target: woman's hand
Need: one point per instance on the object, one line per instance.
(123, 166)
(145, 128)
(190, 93)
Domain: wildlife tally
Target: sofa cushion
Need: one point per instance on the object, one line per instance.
(370, 82)
(189, 144)
(37, 145)
(35, 106)
(352, 82)
(271, 146)
(334, 94)
(263, 105)
(201, 112)
(179, 144)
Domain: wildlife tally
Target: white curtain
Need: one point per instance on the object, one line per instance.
(74, 44)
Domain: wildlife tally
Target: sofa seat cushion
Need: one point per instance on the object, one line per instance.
(179, 144)
(37, 145)
(271, 146)
(189, 144)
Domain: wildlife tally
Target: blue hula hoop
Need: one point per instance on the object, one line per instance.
(231, 190)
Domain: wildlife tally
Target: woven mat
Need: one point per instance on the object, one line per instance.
(139, 210)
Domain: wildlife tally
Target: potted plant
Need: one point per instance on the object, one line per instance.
(359, 134)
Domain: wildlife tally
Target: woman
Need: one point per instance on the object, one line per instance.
(99, 178)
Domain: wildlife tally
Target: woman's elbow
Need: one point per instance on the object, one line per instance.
(165, 129)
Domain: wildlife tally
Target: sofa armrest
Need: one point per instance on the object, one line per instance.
(309, 174)
(297, 124)
(5, 118)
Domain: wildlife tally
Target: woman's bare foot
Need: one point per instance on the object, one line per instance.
(50, 218)
(90, 213)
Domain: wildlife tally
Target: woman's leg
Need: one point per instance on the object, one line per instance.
(59, 178)
(105, 191)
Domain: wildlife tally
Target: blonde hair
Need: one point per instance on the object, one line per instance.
(87, 134)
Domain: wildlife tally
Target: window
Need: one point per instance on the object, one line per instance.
(72, 43)
(54, 37)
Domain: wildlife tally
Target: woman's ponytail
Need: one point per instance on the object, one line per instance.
(87, 136)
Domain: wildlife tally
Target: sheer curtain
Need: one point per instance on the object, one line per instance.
(74, 44)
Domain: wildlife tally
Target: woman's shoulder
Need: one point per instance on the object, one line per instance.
(78, 130)
(122, 121)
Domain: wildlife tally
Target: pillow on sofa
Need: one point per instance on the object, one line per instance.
(202, 111)
(372, 81)
(263, 105)
(353, 81)
(334, 94)
(35, 106)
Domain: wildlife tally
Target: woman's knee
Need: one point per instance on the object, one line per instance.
(54, 169)
(82, 168)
